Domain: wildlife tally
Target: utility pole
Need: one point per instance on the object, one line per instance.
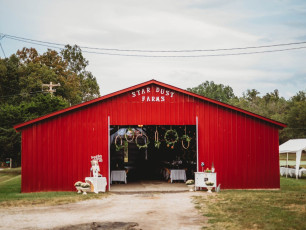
(51, 85)
(1, 37)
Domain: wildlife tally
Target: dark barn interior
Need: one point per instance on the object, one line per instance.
(153, 162)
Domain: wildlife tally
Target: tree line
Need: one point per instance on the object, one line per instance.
(271, 105)
(22, 97)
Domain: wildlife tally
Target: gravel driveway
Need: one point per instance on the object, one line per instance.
(117, 211)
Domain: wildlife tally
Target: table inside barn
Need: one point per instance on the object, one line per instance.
(177, 174)
(118, 175)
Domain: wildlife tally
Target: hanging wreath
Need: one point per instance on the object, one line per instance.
(147, 142)
(156, 141)
(129, 135)
(118, 147)
(171, 137)
(187, 139)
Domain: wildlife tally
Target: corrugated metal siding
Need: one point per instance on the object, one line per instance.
(56, 152)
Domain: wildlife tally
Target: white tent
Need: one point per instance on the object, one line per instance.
(294, 146)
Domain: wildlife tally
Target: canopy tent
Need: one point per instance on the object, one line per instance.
(294, 146)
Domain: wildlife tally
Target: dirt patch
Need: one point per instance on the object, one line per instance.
(102, 226)
(149, 211)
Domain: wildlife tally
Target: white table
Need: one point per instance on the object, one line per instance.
(118, 175)
(99, 183)
(201, 177)
(178, 174)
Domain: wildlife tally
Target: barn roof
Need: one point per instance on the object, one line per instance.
(54, 114)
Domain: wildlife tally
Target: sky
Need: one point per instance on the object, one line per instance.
(171, 25)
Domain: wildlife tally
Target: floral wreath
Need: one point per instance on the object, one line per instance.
(127, 136)
(118, 147)
(142, 146)
(171, 142)
(156, 141)
(187, 139)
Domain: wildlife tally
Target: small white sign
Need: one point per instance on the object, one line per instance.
(97, 158)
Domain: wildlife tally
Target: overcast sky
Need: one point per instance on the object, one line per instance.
(171, 25)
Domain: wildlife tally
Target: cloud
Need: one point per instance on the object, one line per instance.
(171, 25)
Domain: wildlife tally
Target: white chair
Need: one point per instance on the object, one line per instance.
(282, 171)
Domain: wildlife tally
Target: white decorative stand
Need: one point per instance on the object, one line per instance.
(191, 187)
(99, 183)
(79, 188)
(201, 177)
(85, 190)
(209, 188)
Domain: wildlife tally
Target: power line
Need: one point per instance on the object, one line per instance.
(35, 43)
(194, 56)
(1, 37)
(161, 51)
(22, 94)
(58, 46)
(8, 88)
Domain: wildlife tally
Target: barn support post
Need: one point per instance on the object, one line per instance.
(197, 139)
(108, 138)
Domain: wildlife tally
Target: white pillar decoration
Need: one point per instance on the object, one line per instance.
(298, 162)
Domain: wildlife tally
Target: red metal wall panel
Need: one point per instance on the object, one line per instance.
(56, 152)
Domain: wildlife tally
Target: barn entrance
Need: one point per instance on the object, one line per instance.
(149, 153)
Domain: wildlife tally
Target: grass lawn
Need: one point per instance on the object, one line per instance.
(10, 187)
(257, 209)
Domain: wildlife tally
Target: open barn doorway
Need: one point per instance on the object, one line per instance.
(150, 152)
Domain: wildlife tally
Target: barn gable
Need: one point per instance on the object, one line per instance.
(150, 91)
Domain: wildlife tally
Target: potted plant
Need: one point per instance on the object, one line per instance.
(190, 184)
(209, 185)
(208, 170)
(85, 187)
(78, 186)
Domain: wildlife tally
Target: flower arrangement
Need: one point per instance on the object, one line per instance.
(85, 185)
(208, 170)
(156, 140)
(129, 135)
(157, 144)
(209, 183)
(189, 182)
(78, 184)
(171, 137)
(187, 139)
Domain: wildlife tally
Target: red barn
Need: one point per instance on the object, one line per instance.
(57, 148)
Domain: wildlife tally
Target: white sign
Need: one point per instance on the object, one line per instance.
(97, 158)
(160, 96)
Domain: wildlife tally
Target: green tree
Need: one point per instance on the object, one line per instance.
(67, 68)
(27, 110)
(295, 118)
(21, 96)
(214, 91)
